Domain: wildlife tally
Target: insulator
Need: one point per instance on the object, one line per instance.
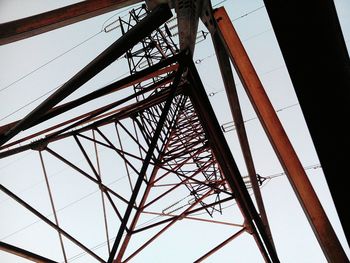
(111, 26)
(172, 21)
(201, 36)
(172, 208)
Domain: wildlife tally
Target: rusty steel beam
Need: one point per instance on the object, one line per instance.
(24, 253)
(196, 219)
(151, 22)
(221, 245)
(284, 150)
(41, 23)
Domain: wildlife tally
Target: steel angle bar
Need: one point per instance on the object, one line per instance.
(119, 152)
(196, 219)
(177, 166)
(24, 253)
(232, 96)
(171, 170)
(221, 245)
(115, 208)
(123, 155)
(163, 67)
(134, 138)
(151, 22)
(125, 112)
(87, 158)
(110, 145)
(171, 189)
(136, 217)
(52, 204)
(97, 182)
(204, 207)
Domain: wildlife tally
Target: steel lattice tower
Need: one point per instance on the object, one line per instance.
(154, 154)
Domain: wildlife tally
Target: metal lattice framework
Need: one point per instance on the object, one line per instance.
(171, 166)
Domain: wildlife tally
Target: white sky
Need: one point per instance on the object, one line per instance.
(293, 236)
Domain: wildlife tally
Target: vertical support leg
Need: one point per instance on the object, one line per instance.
(146, 163)
(280, 142)
(230, 87)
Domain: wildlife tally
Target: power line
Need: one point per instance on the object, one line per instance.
(104, 243)
(65, 52)
(13, 162)
(229, 126)
(266, 180)
(48, 62)
(250, 12)
(223, 1)
(38, 68)
(198, 61)
(29, 103)
(258, 34)
(50, 91)
(62, 208)
(313, 166)
(53, 59)
(212, 93)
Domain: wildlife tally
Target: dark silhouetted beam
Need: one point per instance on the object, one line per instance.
(41, 23)
(232, 96)
(24, 253)
(150, 72)
(317, 60)
(48, 221)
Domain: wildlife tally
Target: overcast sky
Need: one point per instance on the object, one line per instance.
(21, 85)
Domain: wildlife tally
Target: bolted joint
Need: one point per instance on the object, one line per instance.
(39, 145)
(248, 227)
